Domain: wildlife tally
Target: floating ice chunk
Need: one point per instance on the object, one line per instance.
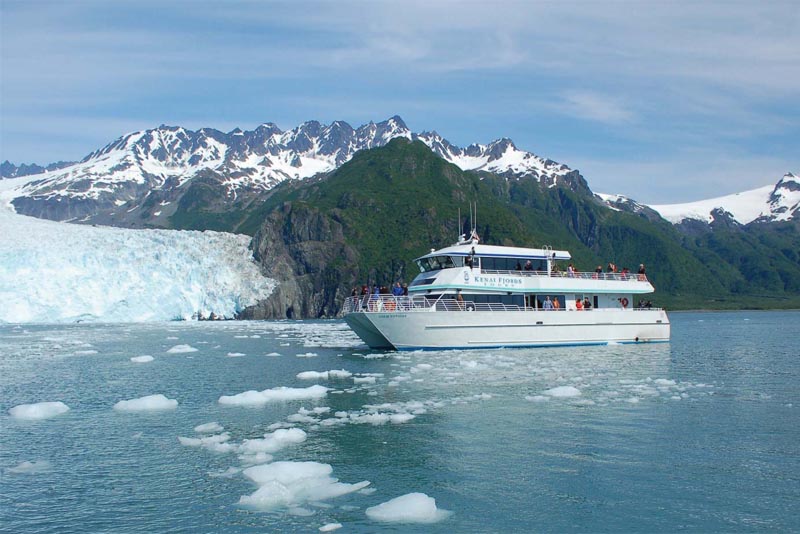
(86, 352)
(291, 484)
(235, 354)
(280, 439)
(563, 392)
(339, 373)
(330, 527)
(324, 375)
(216, 442)
(142, 359)
(208, 428)
(400, 418)
(409, 508)
(39, 410)
(179, 349)
(274, 354)
(257, 398)
(307, 355)
(146, 404)
(664, 382)
(364, 380)
(30, 468)
(300, 418)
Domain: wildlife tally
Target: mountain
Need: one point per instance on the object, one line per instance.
(365, 222)
(9, 170)
(780, 202)
(173, 177)
(777, 203)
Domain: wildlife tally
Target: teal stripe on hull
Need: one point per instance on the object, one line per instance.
(538, 345)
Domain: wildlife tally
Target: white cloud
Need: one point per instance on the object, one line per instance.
(594, 106)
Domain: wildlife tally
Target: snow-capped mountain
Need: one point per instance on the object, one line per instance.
(770, 203)
(780, 202)
(144, 173)
(9, 170)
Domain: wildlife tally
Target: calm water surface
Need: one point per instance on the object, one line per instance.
(700, 435)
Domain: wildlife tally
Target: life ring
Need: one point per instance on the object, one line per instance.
(624, 302)
(390, 305)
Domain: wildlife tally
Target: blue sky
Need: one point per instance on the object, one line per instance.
(661, 101)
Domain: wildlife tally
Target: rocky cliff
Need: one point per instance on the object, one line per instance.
(306, 252)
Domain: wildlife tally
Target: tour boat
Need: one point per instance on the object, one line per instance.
(471, 295)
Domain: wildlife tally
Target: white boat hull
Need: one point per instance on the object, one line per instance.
(434, 329)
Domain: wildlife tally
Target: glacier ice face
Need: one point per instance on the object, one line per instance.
(54, 272)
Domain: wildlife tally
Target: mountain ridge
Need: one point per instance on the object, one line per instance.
(140, 179)
(120, 177)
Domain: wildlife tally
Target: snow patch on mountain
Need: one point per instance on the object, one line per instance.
(620, 203)
(780, 202)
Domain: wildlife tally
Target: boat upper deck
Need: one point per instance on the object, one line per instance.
(493, 251)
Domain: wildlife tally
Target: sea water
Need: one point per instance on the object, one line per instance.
(298, 427)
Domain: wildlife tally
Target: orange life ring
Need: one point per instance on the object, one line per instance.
(624, 302)
(390, 305)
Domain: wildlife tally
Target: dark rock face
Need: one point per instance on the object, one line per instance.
(304, 251)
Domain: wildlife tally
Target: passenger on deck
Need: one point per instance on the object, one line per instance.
(556, 304)
(571, 271)
(397, 290)
(460, 301)
(587, 304)
(528, 265)
(642, 275)
(548, 304)
(405, 290)
(578, 304)
(518, 266)
(598, 273)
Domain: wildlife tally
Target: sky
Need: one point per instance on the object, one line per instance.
(664, 102)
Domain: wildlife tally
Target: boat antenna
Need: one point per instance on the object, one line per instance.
(471, 220)
(458, 227)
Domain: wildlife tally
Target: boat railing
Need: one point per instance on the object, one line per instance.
(619, 277)
(391, 303)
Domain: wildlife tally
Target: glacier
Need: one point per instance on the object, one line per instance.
(53, 272)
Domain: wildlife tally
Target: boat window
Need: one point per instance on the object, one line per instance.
(509, 300)
(510, 264)
(435, 263)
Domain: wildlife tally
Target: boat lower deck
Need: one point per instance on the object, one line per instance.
(435, 329)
